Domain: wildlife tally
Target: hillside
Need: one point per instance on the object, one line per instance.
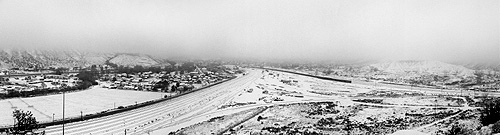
(133, 59)
(422, 68)
(10, 58)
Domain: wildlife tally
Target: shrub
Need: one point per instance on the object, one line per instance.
(485, 130)
(259, 118)
(490, 112)
(459, 129)
(496, 127)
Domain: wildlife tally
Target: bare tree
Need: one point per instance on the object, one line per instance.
(479, 77)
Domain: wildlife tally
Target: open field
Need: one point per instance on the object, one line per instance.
(90, 101)
(320, 118)
(330, 118)
(269, 88)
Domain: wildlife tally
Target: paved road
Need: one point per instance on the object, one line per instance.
(143, 120)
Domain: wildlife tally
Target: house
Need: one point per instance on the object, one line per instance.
(128, 87)
(3, 91)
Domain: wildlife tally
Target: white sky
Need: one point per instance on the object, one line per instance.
(445, 30)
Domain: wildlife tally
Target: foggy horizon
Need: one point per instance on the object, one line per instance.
(321, 30)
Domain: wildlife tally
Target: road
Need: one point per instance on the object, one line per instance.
(466, 107)
(146, 119)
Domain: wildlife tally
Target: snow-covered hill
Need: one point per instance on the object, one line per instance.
(10, 58)
(483, 66)
(423, 67)
(133, 59)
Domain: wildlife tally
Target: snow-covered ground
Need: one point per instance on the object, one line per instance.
(272, 88)
(90, 101)
(256, 89)
(300, 88)
(278, 88)
(422, 101)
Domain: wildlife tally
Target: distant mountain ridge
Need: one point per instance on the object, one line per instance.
(481, 66)
(10, 58)
(423, 67)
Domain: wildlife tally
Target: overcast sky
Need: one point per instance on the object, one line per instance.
(445, 30)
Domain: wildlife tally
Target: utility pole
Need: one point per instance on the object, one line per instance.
(124, 126)
(63, 113)
(435, 107)
(461, 91)
(474, 93)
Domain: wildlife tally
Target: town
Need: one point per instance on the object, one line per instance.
(26, 85)
(163, 81)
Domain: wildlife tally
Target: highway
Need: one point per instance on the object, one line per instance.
(146, 119)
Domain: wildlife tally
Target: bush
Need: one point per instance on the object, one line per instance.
(459, 129)
(496, 127)
(490, 112)
(259, 118)
(486, 130)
